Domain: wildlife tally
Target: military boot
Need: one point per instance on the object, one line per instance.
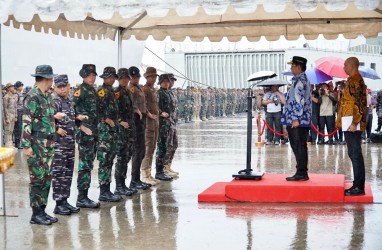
(121, 189)
(61, 208)
(38, 217)
(70, 207)
(51, 218)
(162, 176)
(106, 195)
(147, 178)
(168, 171)
(84, 202)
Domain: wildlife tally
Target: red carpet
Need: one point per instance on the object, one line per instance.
(274, 188)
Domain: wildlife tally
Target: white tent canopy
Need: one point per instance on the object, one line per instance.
(197, 19)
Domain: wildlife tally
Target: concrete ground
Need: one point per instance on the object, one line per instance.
(169, 216)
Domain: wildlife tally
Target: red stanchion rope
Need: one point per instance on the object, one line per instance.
(322, 134)
(272, 130)
(286, 133)
(258, 125)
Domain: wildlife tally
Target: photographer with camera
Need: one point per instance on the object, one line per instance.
(273, 99)
(327, 99)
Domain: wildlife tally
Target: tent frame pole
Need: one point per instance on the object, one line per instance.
(2, 179)
(119, 41)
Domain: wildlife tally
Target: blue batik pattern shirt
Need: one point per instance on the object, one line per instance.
(298, 104)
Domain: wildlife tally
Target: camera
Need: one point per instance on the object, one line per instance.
(276, 100)
(322, 91)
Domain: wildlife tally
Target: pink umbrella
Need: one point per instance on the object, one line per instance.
(332, 66)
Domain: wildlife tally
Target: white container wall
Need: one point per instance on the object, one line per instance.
(231, 69)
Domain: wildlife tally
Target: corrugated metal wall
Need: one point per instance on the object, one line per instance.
(231, 69)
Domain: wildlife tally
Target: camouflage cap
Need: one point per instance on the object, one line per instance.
(123, 72)
(44, 71)
(108, 71)
(9, 85)
(172, 77)
(150, 71)
(134, 71)
(61, 80)
(163, 77)
(19, 84)
(87, 69)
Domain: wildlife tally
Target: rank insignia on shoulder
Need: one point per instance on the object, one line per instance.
(117, 95)
(77, 93)
(132, 90)
(101, 93)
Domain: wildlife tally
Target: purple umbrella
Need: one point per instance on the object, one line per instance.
(314, 75)
(368, 73)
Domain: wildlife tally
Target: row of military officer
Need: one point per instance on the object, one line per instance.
(124, 123)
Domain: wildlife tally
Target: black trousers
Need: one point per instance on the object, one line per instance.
(369, 122)
(139, 152)
(313, 133)
(329, 122)
(297, 139)
(353, 142)
(274, 121)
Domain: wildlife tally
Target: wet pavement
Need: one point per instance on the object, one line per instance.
(169, 217)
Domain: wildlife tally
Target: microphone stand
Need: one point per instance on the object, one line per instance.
(246, 174)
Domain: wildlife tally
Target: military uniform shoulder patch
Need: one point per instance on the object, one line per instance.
(77, 93)
(101, 93)
(132, 90)
(117, 95)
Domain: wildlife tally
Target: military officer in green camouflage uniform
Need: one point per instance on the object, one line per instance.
(38, 142)
(172, 141)
(86, 107)
(166, 110)
(126, 133)
(107, 133)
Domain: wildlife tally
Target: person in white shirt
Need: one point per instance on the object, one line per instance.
(273, 99)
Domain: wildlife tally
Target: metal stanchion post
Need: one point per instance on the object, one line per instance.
(246, 174)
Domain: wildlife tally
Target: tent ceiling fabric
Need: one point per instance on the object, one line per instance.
(197, 19)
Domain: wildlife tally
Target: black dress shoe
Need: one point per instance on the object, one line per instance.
(163, 177)
(298, 177)
(354, 191)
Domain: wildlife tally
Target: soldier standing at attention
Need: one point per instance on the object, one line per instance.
(63, 161)
(152, 124)
(126, 133)
(139, 103)
(38, 142)
(172, 141)
(10, 114)
(107, 133)
(20, 103)
(166, 112)
(85, 103)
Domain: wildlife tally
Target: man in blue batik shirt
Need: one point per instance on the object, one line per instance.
(297, 117)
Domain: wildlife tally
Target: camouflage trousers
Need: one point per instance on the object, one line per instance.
(86, 154)
(125, 150)
(40, 173)
(106, 151)
(151, 137)
(164, 132)
(172, 145)
(62, 167)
